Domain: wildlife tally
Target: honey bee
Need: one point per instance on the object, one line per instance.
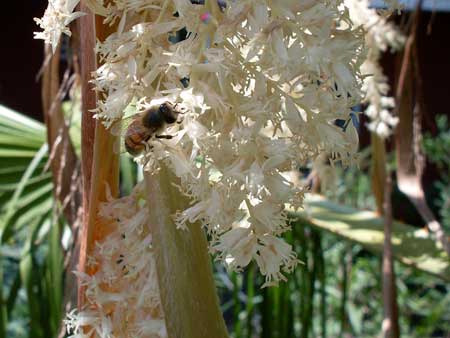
(150, 123)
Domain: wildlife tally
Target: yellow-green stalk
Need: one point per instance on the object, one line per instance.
(188, 293)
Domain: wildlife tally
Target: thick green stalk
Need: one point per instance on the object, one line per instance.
(188, 293)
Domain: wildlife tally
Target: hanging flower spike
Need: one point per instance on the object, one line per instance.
(262, 83)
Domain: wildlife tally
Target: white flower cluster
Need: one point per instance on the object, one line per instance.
(123, 294)
(58, 15)
(262, 84)
(380, 35)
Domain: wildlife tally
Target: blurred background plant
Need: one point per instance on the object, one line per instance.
(31, 265)
(437, 150)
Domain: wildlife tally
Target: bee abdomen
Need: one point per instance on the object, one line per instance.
(134, 145)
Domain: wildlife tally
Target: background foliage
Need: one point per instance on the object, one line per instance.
(336, 293)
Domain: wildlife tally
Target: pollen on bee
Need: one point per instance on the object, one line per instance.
(205, 17)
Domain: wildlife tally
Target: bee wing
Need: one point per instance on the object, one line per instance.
(118, 146)
(119, 129)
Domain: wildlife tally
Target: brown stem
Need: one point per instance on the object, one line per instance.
(64, 164)
(63, 159)
(378, 170)
(88, 64)
(410, 106)
(390, 325)
(101, 167)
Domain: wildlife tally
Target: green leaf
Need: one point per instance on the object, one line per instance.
(26, 203)
(30, 276)
(18, 121)
(16, 153)
(28, 214)
(412, 246)
(54, 275)
(3, 304)
(19, 141)
(33, 181)
(12, 207)
(13, 292)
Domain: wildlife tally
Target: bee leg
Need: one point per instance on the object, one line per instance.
(147, 146)
(180, 119)
(181, 109)
(167, 137)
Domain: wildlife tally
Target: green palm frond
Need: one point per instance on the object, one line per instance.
(26, 204)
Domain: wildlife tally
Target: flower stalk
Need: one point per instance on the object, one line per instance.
(104, 173)
(88, 64)
(188, 293)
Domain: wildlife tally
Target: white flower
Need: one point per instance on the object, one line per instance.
(380, 35)
(272, 254)
(58, 15)
(125, 279)
(237, 247)
(267, 218)
(265, 82)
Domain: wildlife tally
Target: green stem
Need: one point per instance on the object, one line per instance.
(312, 281)
(323, 295)
(343, 312)
(305, 277)
(250, 296)
(275, 295)
(237, 306)
(286, 321)
(267, 314)
(285, 310)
